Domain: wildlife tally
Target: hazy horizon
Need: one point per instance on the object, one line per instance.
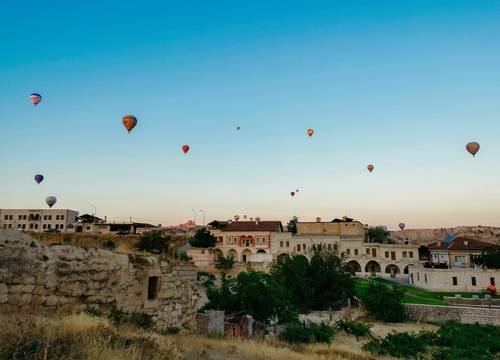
(402, 86)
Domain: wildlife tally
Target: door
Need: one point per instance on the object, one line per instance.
(393, 255)
(374, 252)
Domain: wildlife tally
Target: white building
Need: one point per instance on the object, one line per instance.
(37, 220)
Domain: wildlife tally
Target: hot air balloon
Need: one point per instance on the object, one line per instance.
(310, 132)
(370, 167)
(185, 148)
(297, 190)
(257, 219)
(402, 226)
(472, 148)
(244, 217)
(51, 200)
(38, 178)
(236, 217)
(238, 128)
(129, 121)
(292, 193)
(35, 99)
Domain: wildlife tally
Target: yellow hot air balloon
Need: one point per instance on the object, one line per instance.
(472, 147)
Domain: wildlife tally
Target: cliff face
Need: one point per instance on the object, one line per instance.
(65, 278)
(426, 236)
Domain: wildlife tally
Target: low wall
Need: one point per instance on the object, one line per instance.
(461, 314)
(459, 301)
(70, 279)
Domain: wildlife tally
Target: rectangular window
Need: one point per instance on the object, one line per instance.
(355, 251)
(329, 246)
(36, 226)
(455, 281)
(50, 217)
(11, 217)
(411, 277)
(62, 217)
(460, 259)
(298, 247)
(368, 251)
(374, 252)
(492, 281)
(5, 226)
(387, 254)
(348, 251)
(281, 243)
(44, 217)
(425, 277)
(20, 217)
(418, 276)
(411, 254)
(6, 217)
(57, 217)
(49, 226)
(288, 244)
(44, 226)
(473, 279)
(153, 287)
(304, 247)
(24, 226)
(25, 217)
(10, 226)
(405, 254)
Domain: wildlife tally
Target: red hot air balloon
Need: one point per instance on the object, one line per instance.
(292, 193)
(472, 148)
(129, 121)
(310, 132)
(370, 167)
(236, 217)
(35, 99)
(185, 148)
(38, 178)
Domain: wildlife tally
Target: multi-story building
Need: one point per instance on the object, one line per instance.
(246, 240)
(348, 237)
(37, 220)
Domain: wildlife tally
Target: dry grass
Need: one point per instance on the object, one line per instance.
(79, 337)
(197, 347)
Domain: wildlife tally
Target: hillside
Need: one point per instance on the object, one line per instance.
(426, 236)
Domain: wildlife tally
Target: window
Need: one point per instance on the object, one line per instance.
(411, 277)
(24, 226)
(20, 217)
(36, 226)
(49, 226)
(418, 276)
(11, 217)
(260, 240)
(88, 227)
(44, 226)
(460, 259)
(425, 277)
(455, 281)
(387, 254)
(411, 254)
(31, 226)
(298, 247)
(62, 217)
(50, 217)
(355, 251)
(405, 254)
(368, 251)
(5, 226)
(304, 247)
(44, 217)
(57, 217)
(152, 287)
(6, 217)
(492, 281)
(348, 251)
(10, 226)
(25, 217)
(288, 244)
(329, 246)
(473, 280)
(281, 243)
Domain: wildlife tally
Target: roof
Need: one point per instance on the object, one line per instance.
(463, 243)
(345, 219)
(253, 226)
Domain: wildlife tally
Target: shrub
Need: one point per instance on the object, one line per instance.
(141, 320)
(205, 278)
(154, 242)
(66, 239)
(109, 244)
(225, 263)
(172, 330)
(93, 311)
(356, 328)
(117, 316)
(297, 332)
(384, 302)
(184, 257)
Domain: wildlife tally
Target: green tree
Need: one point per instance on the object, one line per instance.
(384, 302)
(379, 234)
(292, 225)
(154, 242)
(224, 263)
(203, 238)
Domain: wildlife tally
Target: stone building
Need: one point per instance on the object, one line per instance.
(66, 278)
(37, 220)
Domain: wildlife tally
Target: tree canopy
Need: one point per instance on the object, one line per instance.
(203, 238)
(154, 242)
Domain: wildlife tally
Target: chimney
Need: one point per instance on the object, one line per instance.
(318, 219)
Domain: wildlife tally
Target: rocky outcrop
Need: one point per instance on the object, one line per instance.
(65, 278)
(426, 236)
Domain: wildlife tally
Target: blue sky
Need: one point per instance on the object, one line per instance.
(402, 85)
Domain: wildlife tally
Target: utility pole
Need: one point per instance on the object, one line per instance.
(203, 212)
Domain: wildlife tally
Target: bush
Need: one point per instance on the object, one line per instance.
(93, 311)
(225, 263)
(384, 302)
(154, 242)
(297, 332)
(205, 278)
(203, 238)
(109, 244)
(117, 316)
(66, 239)
(356, 328)
(184, 257)
(141, 320)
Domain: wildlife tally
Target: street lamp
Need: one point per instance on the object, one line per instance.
(203, 212)
(194, 215)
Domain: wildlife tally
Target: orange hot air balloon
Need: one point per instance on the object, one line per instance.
(472, 147)
(129, 121)
(310, 132)
(185, 148)
(292, 193)
(370, 167)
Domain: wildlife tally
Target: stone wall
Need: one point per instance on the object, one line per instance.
(465, 315)
(460, 301)
(65, 278)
